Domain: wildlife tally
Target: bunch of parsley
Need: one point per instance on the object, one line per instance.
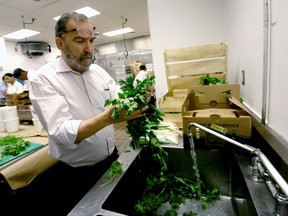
(164, 186)
(130, 99)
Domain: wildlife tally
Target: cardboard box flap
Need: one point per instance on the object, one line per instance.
(217, 96)
(209, 105)
(238, 104)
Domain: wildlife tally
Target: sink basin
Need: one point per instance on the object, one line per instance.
(222, 168)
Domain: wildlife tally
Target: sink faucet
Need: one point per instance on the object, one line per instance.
(262, 159)
(259, 174)
(281, 205)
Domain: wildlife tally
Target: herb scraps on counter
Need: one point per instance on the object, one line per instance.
(12, 145)
(114, 171)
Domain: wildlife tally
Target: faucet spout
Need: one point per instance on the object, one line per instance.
(269, 168)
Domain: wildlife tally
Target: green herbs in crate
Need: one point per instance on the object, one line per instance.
(209, 80)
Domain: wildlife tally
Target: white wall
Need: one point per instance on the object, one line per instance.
(182, 23)
(278, 97)
(15, 59)
(245, 37)
(245, 30)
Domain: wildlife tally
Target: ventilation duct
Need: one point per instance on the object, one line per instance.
(33, 48)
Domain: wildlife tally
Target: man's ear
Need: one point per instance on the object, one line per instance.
(59, 43)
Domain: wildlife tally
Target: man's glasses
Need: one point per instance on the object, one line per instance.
(83, 32)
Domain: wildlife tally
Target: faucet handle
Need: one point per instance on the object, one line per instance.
(256, 173)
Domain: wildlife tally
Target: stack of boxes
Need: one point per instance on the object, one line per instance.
(213, 106)
(184, 67)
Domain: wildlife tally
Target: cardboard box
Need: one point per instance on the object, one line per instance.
(18, 102)
(23, 95)
(135, 67)
(210, 106)
(17, 99)
(171, 104)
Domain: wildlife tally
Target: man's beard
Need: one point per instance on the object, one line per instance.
(80, 64)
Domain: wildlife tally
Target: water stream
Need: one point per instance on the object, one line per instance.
(194, 159)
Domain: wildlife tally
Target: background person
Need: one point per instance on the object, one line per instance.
(22, 75)
(68, 96)
(143, 74)
(14, 87)
(3, 91)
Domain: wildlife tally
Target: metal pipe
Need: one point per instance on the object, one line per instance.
(266, 58)
(266, 163)
(244, 146)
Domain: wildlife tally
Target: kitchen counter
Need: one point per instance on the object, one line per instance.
(21, 171)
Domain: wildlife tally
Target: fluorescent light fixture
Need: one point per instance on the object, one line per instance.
(118, 32)
(20, 34)
(88, 11)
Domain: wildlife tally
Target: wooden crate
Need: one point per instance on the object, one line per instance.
(184, 67)
(17, 99)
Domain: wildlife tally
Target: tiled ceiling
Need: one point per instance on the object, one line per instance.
(112, 11)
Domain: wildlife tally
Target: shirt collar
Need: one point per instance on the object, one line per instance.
(61, 65)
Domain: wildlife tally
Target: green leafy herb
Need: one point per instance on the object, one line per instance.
(207, 80)
(163, 187)
(12, 145)
(175, 190)
(114, 171)
(133, 98)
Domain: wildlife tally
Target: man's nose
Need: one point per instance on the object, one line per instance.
(89, 46)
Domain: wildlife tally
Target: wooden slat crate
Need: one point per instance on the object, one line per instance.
(184, 68)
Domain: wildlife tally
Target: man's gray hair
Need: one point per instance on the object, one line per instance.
(62, 21)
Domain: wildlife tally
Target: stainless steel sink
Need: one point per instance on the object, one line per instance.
(222, 168)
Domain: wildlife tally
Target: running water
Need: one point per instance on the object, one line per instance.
(194, 159)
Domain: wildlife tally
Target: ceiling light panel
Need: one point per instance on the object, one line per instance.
(20, 34)
(88, 11)
(118, 32)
